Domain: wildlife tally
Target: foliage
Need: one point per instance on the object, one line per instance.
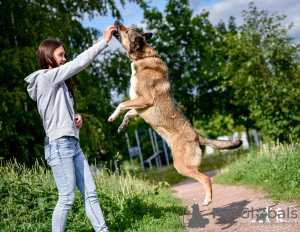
(218, 125)
(28, 197)
(24, 24)
(263, 73)
(275, 168)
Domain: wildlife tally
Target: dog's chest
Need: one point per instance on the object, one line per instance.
(133, 82)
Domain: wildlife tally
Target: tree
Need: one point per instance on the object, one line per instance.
(263, 72)
(24, 24)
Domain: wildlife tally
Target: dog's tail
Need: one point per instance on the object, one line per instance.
(219, 144)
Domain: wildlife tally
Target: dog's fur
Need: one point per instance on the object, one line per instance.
(151, 98)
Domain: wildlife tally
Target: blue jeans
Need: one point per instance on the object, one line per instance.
(70, 168)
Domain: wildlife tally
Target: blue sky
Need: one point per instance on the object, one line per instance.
(218, 9)
(132, 13)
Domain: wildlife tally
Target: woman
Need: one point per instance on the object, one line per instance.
(52, 89)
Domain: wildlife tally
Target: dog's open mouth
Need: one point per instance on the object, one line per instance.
(117, 35)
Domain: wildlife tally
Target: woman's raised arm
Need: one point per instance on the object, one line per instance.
(59, 74)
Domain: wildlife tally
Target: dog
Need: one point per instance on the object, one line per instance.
(152, 98)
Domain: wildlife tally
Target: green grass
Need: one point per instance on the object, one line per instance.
(275, 168)
(165, 174)
(28, 197)
(209, 162)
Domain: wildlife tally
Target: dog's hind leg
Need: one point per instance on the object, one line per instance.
(187, 158)
(130, 114)
(194, 173)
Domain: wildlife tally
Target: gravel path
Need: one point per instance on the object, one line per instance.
(224, 213)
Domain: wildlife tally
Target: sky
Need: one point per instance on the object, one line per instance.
(218, 10)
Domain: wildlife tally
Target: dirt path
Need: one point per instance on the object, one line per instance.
(224, 213)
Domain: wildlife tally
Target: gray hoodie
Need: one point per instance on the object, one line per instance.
(54, 101)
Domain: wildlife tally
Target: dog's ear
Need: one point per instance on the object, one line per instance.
(137, 44)
(147, 36)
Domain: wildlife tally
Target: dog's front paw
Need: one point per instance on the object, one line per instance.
(122, 127)
(111, 118)
(116, 113)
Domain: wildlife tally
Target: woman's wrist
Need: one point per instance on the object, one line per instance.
(108, 33)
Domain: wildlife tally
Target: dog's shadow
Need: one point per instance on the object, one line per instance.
(230, 215)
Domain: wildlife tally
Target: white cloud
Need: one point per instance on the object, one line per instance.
(194, 3)
(139, 25)
(113, 44)
(129, 13)
(223, 10)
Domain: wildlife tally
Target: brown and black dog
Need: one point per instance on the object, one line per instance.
(152, 98)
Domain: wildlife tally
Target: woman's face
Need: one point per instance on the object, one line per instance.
(59, 55)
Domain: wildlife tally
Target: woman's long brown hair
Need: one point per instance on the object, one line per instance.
(46, 50)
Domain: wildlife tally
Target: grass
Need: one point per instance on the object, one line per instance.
(165, 174)
(274, 168)
(209, 162)
(29, 195)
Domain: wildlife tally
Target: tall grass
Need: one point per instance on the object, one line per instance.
(275, 168)
(29, 195)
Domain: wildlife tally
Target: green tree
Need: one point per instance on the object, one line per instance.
(263, 73)
(24, 24)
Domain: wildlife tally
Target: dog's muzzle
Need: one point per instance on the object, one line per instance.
(116, 33)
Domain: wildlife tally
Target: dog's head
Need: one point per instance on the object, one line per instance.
(134, 43)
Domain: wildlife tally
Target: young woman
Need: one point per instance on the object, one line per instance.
(52, 89)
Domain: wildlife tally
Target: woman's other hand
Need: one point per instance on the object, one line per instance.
(109, 31)
(78, 119)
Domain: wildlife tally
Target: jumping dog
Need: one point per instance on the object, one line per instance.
(152, 98)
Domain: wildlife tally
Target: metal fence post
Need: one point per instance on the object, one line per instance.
(166, 152)
(130, 153)
(138, 143)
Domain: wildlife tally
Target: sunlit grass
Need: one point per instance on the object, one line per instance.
(274, 168)
(28, 197)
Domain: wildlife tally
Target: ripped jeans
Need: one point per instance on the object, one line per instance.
(70, 168)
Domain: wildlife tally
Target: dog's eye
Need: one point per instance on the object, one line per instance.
(126, 32)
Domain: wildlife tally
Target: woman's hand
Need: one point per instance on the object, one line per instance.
(78, 119)
(109, 31)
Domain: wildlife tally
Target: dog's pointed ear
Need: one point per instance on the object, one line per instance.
(137, 44)
(147, 36)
